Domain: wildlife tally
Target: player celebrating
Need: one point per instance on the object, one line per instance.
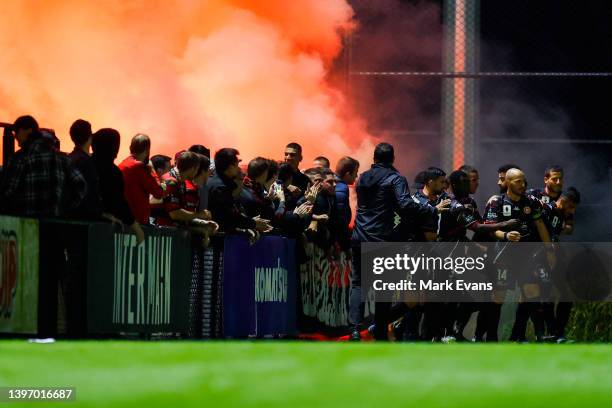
(515, 203)
(454, 224)
(555, 215)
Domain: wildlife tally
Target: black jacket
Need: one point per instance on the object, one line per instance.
(91, 206)
(111, 190)
(382, 192)
(300, 180)
(226, 210)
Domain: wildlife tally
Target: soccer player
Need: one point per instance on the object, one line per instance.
(555, 215)
(426, 229)
(474, 180)
(501, 176)
(453, 228)
(423, 229)
(473, 177)
(553, 185)
(461, 214)
(454, 224)
(488, 317)
(515, 203)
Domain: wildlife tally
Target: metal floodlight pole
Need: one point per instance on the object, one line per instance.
(460, 104)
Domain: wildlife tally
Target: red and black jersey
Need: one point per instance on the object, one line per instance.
(175, 199)
(527, 210)
(192, 196)
(140, 182)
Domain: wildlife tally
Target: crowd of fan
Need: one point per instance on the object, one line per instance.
(190, 190)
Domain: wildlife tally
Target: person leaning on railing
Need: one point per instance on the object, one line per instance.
(139, 178)
(178, 208)
(224, 190)
(105, 146)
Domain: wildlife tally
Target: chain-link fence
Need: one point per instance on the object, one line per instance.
(490, 83)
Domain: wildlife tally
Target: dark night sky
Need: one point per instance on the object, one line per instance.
(517, 35)
(553, 35)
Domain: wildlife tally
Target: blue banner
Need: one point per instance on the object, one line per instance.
(259, 287)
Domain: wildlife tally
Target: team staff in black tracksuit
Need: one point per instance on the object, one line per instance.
(381, 192)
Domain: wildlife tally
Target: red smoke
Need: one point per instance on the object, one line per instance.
(239, 73)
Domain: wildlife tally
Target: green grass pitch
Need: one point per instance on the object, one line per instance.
(310, 374)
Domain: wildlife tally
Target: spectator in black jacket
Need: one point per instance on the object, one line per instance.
(254, 197)
(289, 219)
(105, 144)
(323, 229)
(293, 157)
(91, 206)
(221, 200)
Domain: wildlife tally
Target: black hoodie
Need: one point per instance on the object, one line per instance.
(381, 192)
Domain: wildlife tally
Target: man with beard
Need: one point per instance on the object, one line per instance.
(423, 229)
(501, 176)
(488, 317)
(515, 203)
(553, 185)
(433, 186)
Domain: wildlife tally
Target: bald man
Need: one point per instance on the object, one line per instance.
(139, 178)
(515, 204)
